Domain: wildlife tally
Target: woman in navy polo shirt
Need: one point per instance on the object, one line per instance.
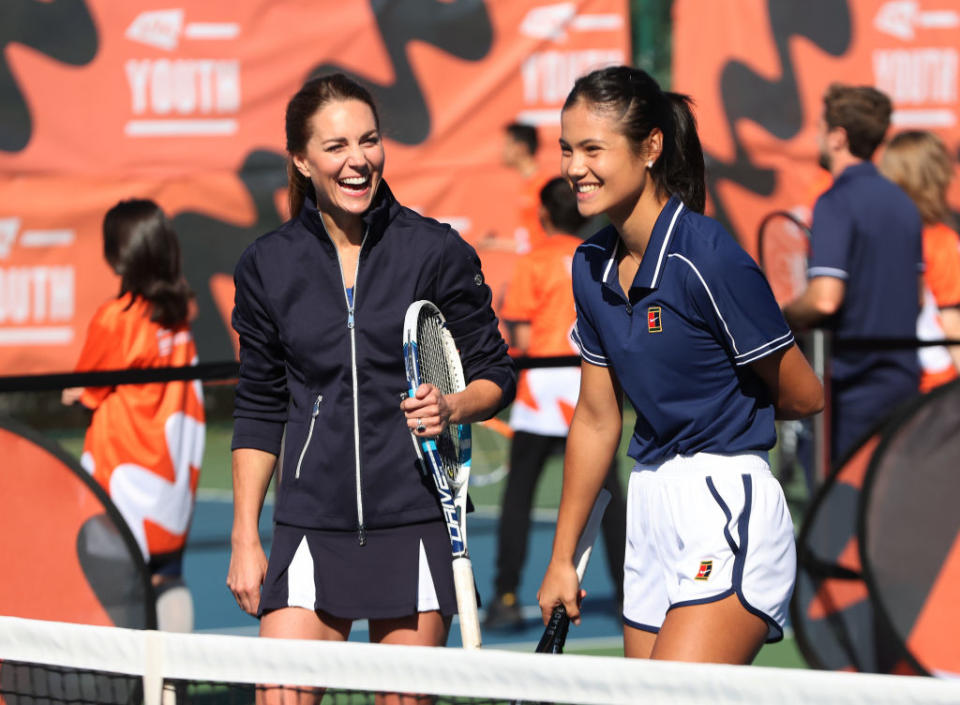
(672, 313)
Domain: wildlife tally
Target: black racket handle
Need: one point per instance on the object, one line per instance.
(555, 634)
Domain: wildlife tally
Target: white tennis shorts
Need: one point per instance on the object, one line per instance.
(704, 527)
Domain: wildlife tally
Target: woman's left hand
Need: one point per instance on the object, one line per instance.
(428, 411)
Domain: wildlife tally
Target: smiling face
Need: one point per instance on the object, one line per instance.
(605, 171)
(343, 157)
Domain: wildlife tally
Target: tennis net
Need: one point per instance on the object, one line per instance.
(54, 662)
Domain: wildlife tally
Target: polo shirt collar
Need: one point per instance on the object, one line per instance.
(654, 257)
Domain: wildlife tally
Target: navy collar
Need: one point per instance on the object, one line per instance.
(376, 218)
(864, 168)
(654, 257)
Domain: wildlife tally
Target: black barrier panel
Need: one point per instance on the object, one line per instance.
(909, 527)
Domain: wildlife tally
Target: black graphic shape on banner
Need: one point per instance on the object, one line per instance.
(774, 104)
(61, 29)
(461, 28)
(212, 246)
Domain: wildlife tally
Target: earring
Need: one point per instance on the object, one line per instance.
(650, 165)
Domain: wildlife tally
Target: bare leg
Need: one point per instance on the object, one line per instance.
(421, 629)
(637, 643)
(299, 623)
(715, 632)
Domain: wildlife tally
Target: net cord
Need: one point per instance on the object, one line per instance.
(485, 674)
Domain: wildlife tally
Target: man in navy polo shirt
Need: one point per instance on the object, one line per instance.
(866, 264)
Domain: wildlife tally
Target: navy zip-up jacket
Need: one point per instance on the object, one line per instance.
(322, 370)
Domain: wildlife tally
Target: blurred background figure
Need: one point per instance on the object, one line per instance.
(540, 311)
(918, 162)
(864, 269)
(145, 442)
(520, 145)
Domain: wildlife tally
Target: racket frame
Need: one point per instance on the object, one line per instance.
(451, 490)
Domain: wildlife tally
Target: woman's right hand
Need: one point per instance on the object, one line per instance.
(248, 566)
(560, 586)
(71, 395)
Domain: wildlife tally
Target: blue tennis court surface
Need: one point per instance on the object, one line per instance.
(208, 558)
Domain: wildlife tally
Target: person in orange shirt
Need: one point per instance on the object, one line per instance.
(918, 162)
(539, 306)
(145, 442)
(520, 145)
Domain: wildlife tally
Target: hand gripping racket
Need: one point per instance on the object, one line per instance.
(555, 633)
(430, 356)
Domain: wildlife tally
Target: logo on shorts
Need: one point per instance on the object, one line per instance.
(653, 320)
(706, 567)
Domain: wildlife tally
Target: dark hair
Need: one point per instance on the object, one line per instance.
(862, 111)
(141, 246)
(639, 105)
(313, 95)
(526, 134)
(561, 204)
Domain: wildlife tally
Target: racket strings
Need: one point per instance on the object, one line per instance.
(435, 369)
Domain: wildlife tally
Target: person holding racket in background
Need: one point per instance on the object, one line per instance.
(539, 310)
(918, 163)
(865, 268)
(674, 315)
(320, 305)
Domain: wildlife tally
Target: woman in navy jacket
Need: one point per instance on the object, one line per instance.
(319, 310)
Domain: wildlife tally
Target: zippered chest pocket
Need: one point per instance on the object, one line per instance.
(314, 412)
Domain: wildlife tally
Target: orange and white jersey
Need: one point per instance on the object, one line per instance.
(541, 294)
(941, 278)
(145, 441)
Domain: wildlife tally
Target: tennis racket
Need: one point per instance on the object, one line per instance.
(783, 244)
(555, 633)
(430, 356)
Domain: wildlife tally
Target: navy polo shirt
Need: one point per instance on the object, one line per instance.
(699, 312)
(867, 232)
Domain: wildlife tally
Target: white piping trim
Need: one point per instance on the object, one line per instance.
(827, 272)
(591, 357)
(769, 342)
(610, 262)
(712, 301)
(666, 242)
(759, 355)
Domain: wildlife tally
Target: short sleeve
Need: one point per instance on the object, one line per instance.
(466, 302)
(737, 305)
(520, 302)
(941, 255)
(585, 335)
(830, 239)
(102, 350)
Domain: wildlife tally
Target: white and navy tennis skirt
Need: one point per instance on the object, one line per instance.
(704, 527)
(398, 572)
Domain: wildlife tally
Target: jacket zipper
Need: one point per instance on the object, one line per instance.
(306, 443)
(351, 325)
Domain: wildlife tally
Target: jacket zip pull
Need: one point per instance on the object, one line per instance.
(362, 535)
(314, 413)
(350, 317)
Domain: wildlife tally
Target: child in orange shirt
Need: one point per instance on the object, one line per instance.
(918, 162)
(145, 441)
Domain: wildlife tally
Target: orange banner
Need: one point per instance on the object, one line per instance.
(184, 104)
(758, 70)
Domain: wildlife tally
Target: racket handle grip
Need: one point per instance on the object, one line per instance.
(466, 602)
